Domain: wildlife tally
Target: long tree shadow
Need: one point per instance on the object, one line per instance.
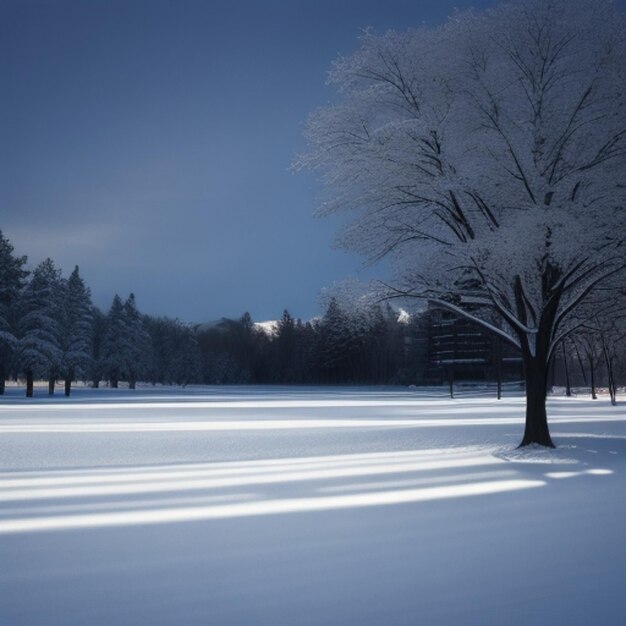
(36, 501)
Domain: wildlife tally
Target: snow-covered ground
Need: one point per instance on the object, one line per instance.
(288, 506)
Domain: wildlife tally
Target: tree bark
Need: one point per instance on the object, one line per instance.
(568, 386)
(612, 387)
(580, 364)
(592, 375)
(609, 372)
(2, 383)
(68, 386)
(51, 383)
(29, 383)
(451, 380)
(498, 368)
(536, 378)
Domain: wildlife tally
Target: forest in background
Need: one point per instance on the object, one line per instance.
(50, 330)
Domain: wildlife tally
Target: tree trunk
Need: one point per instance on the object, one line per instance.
(51, 383)
(592, 375)
(609, 372)
(612, 388)
(132, 384)
(2, 383)
(536, 378)
(499, 368)
(568, 386)
(580, 364)
(68, 386)
(114, 383)
(29, 383)
(451, 380)
(552, 373)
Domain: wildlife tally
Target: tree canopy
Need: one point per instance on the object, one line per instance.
(486, 158)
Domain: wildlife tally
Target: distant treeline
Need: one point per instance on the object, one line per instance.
(371, 347)
(50, 330)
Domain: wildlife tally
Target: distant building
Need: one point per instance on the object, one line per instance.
(459, 349)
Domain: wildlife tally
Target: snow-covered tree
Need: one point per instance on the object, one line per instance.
(76, 329)
(113, 345)
(136, 355)
(125, 348)
(487, 158)
(95, 371)
(12, 277)
(39, 329)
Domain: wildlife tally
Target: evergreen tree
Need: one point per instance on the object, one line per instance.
(136, 355)
(175, 352)
(186, 365)
(335, 344)
(95, 371)
(125, 349)
(113, 343)
(77, 330)
(246, 348)
(12, 277)
(284, 368)
(39, 331)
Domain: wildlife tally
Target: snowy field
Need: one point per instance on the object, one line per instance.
(287, 506)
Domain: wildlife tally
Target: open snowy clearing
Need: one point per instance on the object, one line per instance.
(289, 506)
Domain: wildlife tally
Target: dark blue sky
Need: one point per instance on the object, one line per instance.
(149, 142)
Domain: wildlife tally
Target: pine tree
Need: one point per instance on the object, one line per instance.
(285, 346)
(96, 368)
(335, 343)
(136, 355)
(39, 331)
(175, 354)
(12, 277)
(77, 330)
(113, 344)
